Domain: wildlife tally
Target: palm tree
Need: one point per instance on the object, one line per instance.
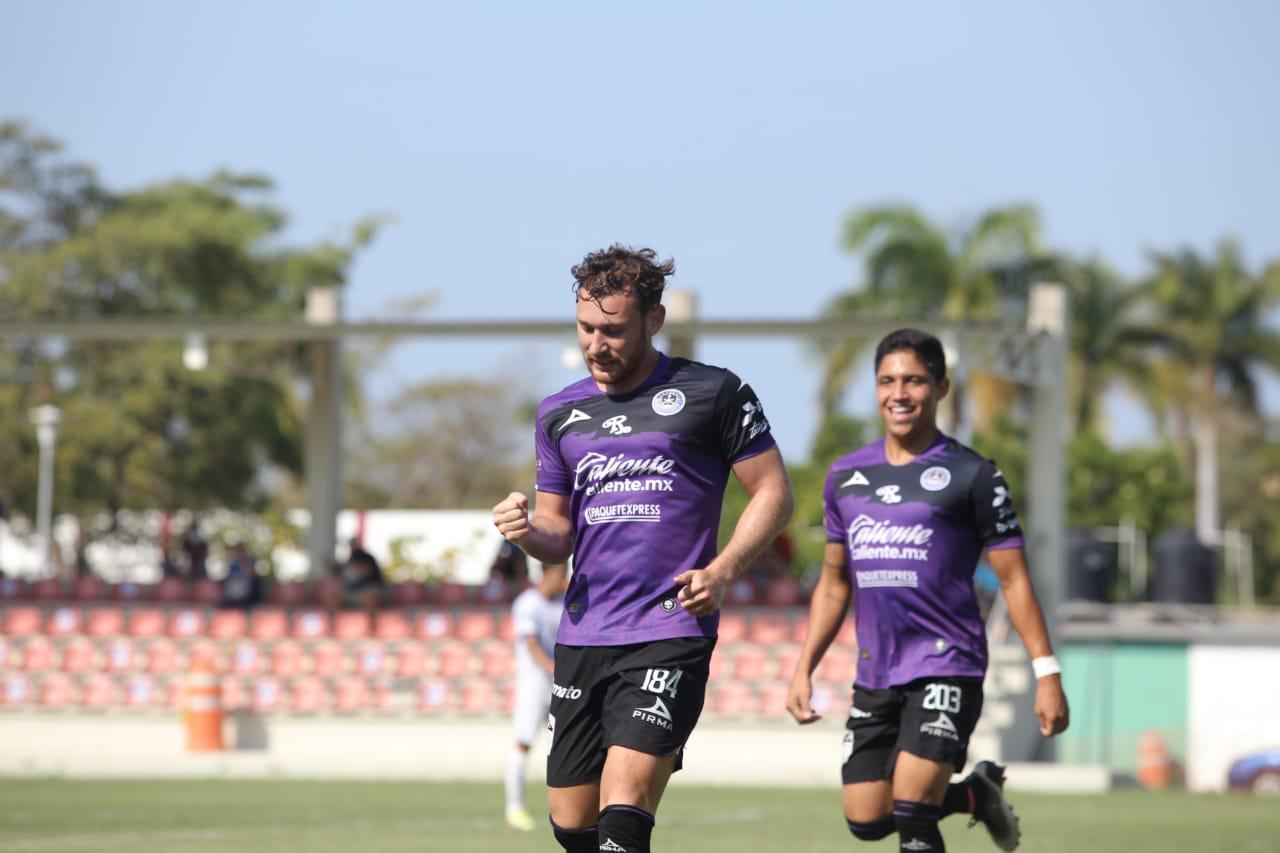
(1213, 332)
(915, 268)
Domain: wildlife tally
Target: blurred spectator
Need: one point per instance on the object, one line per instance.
(196, 550)
(241, 587)
(509, 565)
(362, 581)
(987, 585)
(774, 563)
(169, 565)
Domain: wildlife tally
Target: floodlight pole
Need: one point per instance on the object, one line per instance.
(46, 420)
(323, 463)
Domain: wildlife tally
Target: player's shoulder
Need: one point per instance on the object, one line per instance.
(566, 399)
(964, 462)
(867, 456)
(699, 375)
(525, 600)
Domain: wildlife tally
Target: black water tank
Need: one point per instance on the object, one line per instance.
(1185, 569)
(1091, 567)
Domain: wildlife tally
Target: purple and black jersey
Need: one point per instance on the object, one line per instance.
(912, 535)
(645, 472)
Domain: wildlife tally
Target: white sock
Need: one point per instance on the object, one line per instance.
(515, 779)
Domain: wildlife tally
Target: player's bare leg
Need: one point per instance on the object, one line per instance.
(630, 789)
(574, 813)
(868, 809)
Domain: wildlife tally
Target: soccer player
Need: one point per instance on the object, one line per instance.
(536, 615)
(907, 518)
(632, 465)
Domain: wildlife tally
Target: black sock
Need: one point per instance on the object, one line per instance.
(961, 797)
(576, 840)
(918, 827)
(872, 831)
(625, 829)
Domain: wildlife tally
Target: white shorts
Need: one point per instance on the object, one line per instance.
(533, 700)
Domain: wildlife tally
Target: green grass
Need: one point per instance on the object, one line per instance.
(45, 814)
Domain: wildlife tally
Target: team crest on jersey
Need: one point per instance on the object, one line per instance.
(935, 479)
(668, 402)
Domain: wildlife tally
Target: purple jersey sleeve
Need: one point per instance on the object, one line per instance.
(993, 512)
(830, 510)
(744, 430)
(552, 474)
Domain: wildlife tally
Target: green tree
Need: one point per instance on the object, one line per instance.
(1212, 328)
(915, 268)
(139, 430)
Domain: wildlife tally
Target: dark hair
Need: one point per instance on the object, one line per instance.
(926, 347)
(622, 269)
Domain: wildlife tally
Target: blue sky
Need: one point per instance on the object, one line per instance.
(508, 139)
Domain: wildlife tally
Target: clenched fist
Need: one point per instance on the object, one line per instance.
(511, 517)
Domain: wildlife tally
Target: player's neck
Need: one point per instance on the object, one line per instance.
(647, 365)
(899, 450)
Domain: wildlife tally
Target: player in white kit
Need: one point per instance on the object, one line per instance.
(536, 616)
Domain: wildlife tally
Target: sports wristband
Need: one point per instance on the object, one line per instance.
(1047, 665)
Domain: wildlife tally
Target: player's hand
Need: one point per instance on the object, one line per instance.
(800, 699)
(1051, 706)
(701, 590)
(511, 517)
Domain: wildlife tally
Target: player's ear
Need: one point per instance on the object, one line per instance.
(943, 387)
(654, 319)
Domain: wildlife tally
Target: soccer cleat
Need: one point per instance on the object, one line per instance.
(990, 808)
(518, 818)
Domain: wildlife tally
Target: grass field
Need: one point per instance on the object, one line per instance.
(331, 816)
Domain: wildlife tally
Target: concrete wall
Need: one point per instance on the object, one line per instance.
(1234, 709)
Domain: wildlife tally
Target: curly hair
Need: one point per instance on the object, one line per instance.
(622, 269)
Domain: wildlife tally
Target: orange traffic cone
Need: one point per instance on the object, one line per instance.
(1154, 769)
(202, 707)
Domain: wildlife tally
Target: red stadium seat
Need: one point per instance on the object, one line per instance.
(308, 696)
(328, 592)
(38, 655)
(432, 626)
(433, 696)
(767, 629)
(717, 663)
(371, 659)
(268, 695)
(163, 657)
(474, 626)
(351, 625)
(12, 589)
(205, 591)
(21, 621)
(731, 700)
(170, 591)
(90, 588)
(773, 699)
(391, 626)
(785, 659)
(506, 628)
(204, 651)
(309, 625)
(494, 591)
(748, 664)
(269, 624)
(57, 691)
(733, 628)
(47, 589)
(142, 691)
(411, 661)
(16, 690)
(63, 622)
(497, 661)
(105, 622)
(507, 697)
(408, 594)
(288, 594)
(79, 655)
(477, 697)
(186, 624)
(146, 622)
(329, 660)
(451, 594)
(131, 592)
(741, 593)
(352, 695)
(8, 655)
(799, 629)
(838, 666)
(228, 624)
(287, 659)
(121, 656)
(235, 694)
(455, 661)
(173, 693)
(99, 693)
(246, 659)
(848, 636)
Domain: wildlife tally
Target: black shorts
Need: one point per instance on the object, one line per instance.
(930, 717)
(644, 696)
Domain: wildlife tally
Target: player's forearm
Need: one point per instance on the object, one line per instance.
(1026, 616)
(827, 610)
(765, 516)
(548, 540)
